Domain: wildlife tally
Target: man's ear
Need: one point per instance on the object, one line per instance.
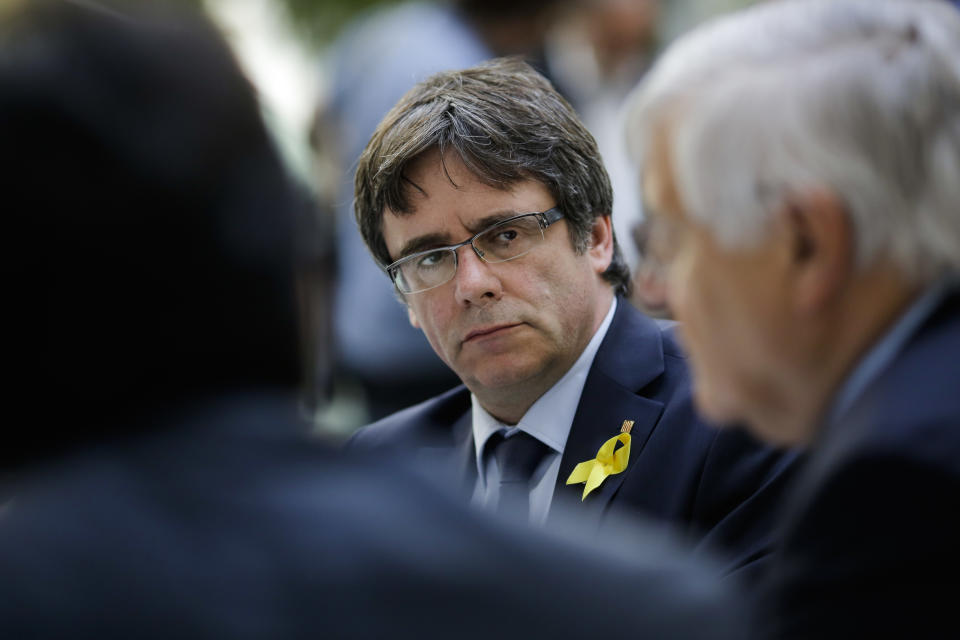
(600, 247)
(821, 244)
(413, 317)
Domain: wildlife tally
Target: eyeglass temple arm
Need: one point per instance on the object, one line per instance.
(551, 215)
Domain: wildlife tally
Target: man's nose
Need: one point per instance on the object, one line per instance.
(475, 281)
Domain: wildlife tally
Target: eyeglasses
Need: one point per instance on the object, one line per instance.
(503, 241)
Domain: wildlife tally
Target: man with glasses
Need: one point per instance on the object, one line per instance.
(486, 202)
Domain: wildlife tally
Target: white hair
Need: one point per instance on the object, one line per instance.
(861, 97)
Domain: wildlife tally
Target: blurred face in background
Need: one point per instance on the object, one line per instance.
(621, 29)
(730, 305)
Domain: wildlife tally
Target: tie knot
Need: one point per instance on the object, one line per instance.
(517, 456)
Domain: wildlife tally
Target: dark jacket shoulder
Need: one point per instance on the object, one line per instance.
(425, 424)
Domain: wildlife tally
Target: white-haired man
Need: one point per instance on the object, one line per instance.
(801, 165)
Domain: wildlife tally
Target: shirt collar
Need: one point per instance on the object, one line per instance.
(886, 349)
(550, 417)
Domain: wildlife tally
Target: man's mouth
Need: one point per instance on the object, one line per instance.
(482, 332)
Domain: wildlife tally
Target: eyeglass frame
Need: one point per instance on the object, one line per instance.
(544, 218)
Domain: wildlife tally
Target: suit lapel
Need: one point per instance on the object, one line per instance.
(464, 458)
(450, 448)
(629, 358)
(454, 455)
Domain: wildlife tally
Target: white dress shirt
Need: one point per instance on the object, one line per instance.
(548, 420)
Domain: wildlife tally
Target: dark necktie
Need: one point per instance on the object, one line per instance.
(517, 458)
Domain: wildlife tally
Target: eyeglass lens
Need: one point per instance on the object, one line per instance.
(503, 241)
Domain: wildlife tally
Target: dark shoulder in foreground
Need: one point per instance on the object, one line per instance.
(424, 424)
(214, 532)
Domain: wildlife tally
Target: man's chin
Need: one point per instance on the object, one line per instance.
(498, 383)
(504, 380)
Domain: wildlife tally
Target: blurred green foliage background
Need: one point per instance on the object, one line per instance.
(318, 21)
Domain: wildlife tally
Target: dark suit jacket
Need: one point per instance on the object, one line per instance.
(223, 523)
(721, 487)
(872, 538)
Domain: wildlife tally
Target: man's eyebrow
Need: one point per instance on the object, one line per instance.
(424, 242)
(440, 240)
(488, 221)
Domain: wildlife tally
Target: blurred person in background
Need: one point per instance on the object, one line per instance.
(597, 53)
(801, 165)
(372, 64)
(157, 479)
(485, 200)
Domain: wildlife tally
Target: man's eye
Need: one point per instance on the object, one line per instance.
(505, 236)
(431, 260)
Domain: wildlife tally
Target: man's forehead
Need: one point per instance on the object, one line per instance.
(445, 188)
(447, 169)
(431, 184)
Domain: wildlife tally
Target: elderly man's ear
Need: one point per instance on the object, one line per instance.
(819, 237)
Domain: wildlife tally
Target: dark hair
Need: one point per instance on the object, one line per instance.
(508, 124)
(151, 218)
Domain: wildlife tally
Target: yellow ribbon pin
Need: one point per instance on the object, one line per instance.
(608, 461)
